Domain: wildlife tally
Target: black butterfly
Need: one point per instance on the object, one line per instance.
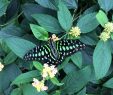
(54, 52)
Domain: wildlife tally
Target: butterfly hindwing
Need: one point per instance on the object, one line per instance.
(69, 47)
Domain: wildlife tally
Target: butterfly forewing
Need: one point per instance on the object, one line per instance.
(40, 53)
(69, 47)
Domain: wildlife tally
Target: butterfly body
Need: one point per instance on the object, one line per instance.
(54, 52)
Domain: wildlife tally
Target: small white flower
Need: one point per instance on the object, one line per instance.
(49, 71)
(1, 66)
(39, 85)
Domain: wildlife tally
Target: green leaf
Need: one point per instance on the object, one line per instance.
(109, 83)
(47, 3)
(64, 63)
(77, 59)
(64, 17)
(11, 57)
(3, 6)
(106, 5)
(30, 90)
(75, 81)
(90, 38)
(13, 30)
(58, 92)
(82, 92)
(56, 82)
(87, 23)
(39, 32)
(102, 18)
(38, 65)
(52, 4)
(71, 4)
(101, 59)
(69, 68)
(19, 46)
(7, 75)
(26, 77)
(31, 8)
(111, 36)
(51, 24)
(16, 91)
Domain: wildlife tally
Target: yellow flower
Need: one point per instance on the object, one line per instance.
(104, 36)
(49, 71)
(75, 31)
(54, 37)
(1, 66)
(39, 85)
(108, 27)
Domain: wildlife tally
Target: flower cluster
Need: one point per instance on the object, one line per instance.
(48, 71)
(108, 29)
(75, 31)
(1, 66)
(104, 36)
(39, 85)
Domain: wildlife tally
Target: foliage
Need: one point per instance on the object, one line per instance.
(27, 23)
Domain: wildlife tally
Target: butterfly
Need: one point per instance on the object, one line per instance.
(54, 52)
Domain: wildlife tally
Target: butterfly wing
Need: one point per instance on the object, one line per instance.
(40, 53)
(68, 47)
(44, 53)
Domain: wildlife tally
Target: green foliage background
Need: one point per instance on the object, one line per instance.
(25, 23)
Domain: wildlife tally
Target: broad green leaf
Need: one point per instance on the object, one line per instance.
(64, 63)
(3, 6)
(112, 17)
(5, 47)
(109, 83)
(69, 68)
(52, 4)
(91, 9)
(19, 46)
(71, 4)
(38, 65)
(7, 75)
(56, 82)
(16, 91)
(26, 77)
(102, 18)
(11, 57)
(30, 8)
(47, 3)
(39, 32)
(82, 92)
(12, 30)
(101, 59)
(87, 23)
(30, 90)
(58, 92)
(51, 24)
(90, 38)
(106, 5)
(64, 17)
(111, 36)
(75, 81)
(77, 59)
